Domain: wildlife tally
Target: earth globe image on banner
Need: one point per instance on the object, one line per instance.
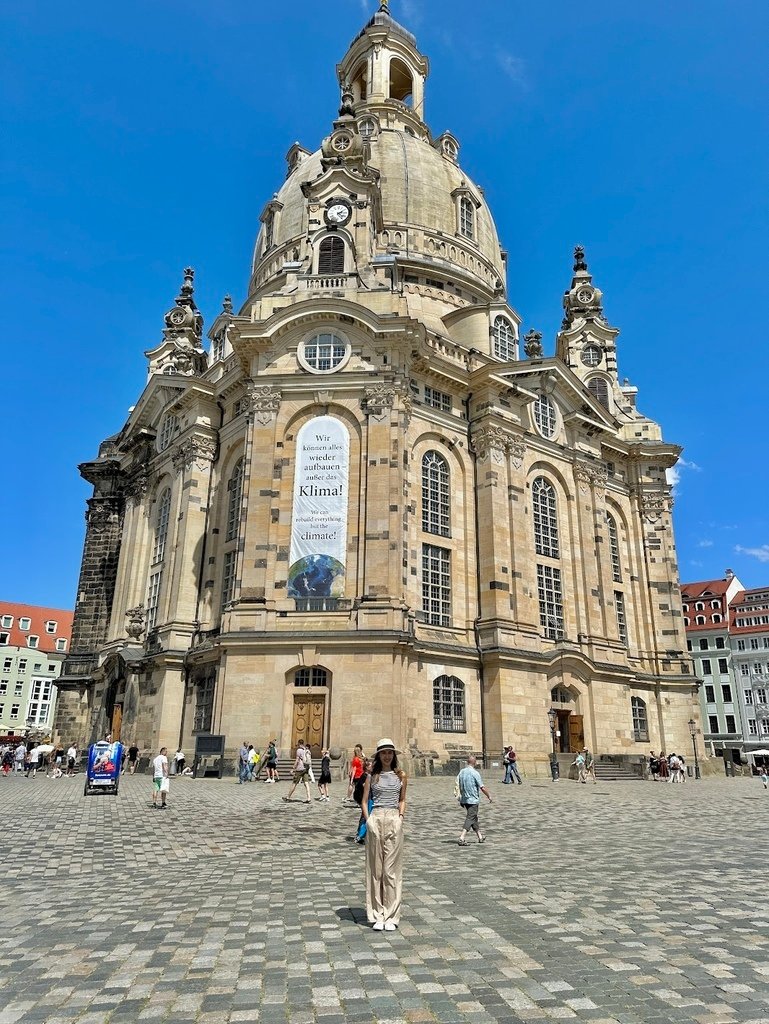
(316, 576)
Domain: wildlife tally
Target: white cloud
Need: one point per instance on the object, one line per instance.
(705, 544)
(762, 553)
(690, 465)
(512, 66)
(673, 476)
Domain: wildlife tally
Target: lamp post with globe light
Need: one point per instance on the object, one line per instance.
(693, 733)
(555, 770)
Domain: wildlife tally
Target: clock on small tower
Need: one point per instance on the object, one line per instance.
(338, 213)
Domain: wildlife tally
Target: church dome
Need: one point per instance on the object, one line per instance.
(429, 214)
(420, 189)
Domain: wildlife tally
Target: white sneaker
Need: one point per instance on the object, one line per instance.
(390, 926)
(378, 926)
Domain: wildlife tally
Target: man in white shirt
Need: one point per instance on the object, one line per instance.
(160, 782)
(71, 759)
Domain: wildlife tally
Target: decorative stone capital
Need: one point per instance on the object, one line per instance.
(137, 486)
(591, 474)
(654, 506)
(263, 401)
(490, 443)
(102, 514)
(381, 397)
(195, 450)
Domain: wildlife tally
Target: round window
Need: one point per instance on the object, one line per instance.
(323, 352)
(545, 416)
(591, 355)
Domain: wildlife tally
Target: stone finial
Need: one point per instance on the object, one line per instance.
(347, 108)
(227, 305)
(579, 258)
(135, 626)
(384, 6)
(187, 290)
(533, 344)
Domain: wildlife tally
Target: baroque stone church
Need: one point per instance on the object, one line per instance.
(369, 507)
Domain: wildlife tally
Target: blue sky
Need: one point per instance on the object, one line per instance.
(140, 138)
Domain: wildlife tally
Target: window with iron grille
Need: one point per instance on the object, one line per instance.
(448, 704)
(545, 416)
(466, 218)
(619, 607)
(161, 526)
(311, 677)
(550, 601)
(640, 721)
(437, 399)
(168, 431)
(504, 338)
(599, 389)
(616, 568)
(545, 516)
(204, 704)
(234, 500)
(153, 597)
(435, 495)
(436, 585)
(228, 578)
(331, 255)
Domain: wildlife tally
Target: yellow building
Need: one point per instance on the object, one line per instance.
(364, 511)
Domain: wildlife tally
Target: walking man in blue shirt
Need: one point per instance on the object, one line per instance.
(470, 788)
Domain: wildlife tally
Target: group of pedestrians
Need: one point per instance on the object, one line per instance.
(251, 762)
(28, 759)
(584, 762)
(667, 767)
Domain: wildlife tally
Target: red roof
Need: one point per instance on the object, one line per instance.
(705, 591)
(37, 626)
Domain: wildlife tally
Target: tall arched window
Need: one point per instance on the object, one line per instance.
(599, 389)
(545, 513)
(331, 255)
(616, 567)
(466, 218)
(640, 721)
(448, 704)
(436, 510)
(401, 82)
(234, 499)
(161, 526)
(545, 416)
(504, 338)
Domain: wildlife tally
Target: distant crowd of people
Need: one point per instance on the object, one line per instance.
(667, 767)
(23, 758)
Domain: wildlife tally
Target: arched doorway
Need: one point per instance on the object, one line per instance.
(310, 707)
(569, 724)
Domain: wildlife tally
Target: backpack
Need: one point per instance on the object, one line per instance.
(308, 757)
(457, 791)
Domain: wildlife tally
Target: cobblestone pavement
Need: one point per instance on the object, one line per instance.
(621, 903)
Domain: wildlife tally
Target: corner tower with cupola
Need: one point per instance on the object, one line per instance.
(363, 510)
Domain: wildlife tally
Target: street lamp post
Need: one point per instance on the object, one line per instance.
(693, 731)
(555, 769)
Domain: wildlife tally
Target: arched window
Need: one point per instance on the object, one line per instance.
(715, 604)
(436, 516)
(616, 568)
(545, 416)
(504, 338)
(686, 620)
(168, 430)
(699, 606)
(234, 499)
(311, 677)
(545, 513)
(700, 620)
(717, 617)
(269, 230)
(559, 695)
(448, 704)
(599, 389)
(331, 255)
(401, 83)
(466, 218)
(640, 721)
(161, 526)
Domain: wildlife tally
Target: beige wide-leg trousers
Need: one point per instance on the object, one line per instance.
(384, 865)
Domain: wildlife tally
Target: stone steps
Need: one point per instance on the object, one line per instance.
(615, 771)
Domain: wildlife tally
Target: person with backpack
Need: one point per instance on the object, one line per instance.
(308, 763)
(511, 767)
(674, 766)
(579, 764)
(654, 766)
(300, 773)
(360, 786)
(271, 763)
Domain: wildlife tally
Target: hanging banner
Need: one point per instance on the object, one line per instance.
(319, 520)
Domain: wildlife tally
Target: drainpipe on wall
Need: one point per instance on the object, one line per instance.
(476, 628)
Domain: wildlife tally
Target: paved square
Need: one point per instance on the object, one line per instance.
(621, 903)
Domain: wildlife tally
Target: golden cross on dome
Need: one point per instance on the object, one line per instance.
(385, 6)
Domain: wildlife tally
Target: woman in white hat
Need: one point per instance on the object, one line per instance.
(384, 838)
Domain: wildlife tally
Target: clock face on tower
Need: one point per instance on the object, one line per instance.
(338, 212)
(591, 355)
